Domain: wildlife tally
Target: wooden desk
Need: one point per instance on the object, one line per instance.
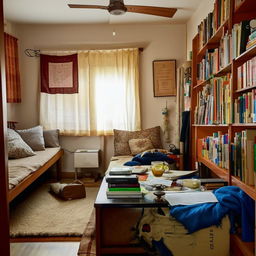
(114, 221)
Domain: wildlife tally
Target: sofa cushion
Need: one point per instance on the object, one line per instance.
(121, 139)
(17, 147)
(51, 138)
(139, 145)
(33, 137)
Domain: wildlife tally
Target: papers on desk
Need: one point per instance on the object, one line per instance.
(157, 181)
(190, 198)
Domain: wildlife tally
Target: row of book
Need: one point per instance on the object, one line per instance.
(122, 183)
(213, 21)
(216, 149)
(241, 160)
(214, 102)
(245, 108)
(246, 74)
(230, 47)
(243, 156)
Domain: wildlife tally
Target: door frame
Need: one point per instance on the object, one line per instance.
(4, 204)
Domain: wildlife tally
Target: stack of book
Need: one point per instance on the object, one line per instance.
(252, 39)
(122, 184)
(216, 149)
(213, 183)
(243, 156)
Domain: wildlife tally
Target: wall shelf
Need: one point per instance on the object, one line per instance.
(221, 172)
(245, 56)
(246, 89)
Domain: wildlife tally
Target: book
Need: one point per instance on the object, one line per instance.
(117, 179)
(124, 189)
(120, 171)
(123, 185)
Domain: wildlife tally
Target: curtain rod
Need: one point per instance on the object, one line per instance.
(36, 53)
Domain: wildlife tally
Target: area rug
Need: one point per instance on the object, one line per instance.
(88, 243)
(41, 214)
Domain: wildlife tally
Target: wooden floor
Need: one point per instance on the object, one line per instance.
(45, 249)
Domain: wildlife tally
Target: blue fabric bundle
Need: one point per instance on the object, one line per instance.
(232, 201)
(149, 157)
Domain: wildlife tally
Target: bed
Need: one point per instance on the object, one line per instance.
(31, 152)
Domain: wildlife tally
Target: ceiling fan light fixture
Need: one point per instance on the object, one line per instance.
(117, 7)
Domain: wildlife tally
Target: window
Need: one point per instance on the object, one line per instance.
(107, 98)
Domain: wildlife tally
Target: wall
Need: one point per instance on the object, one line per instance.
(201, 12)
(158, 41)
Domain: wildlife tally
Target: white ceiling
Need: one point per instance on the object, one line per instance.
(57, 11)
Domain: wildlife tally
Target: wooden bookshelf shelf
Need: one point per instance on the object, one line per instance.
(243, 247)
(249, 190)
(210, 125)
(213, 42)
(247, 55)
(245, 124)
(224, 70)
(202, 83)
(246, 89)
(221, 172)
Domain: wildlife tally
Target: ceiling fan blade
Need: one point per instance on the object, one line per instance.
(152, 10)
(88, 6)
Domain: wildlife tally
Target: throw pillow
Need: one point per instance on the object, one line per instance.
(51, 138)
(33, 137)
(139, 145)
(121, 139)
(17, 148)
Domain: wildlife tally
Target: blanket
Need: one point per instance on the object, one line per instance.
(232, 202)
(147, 158)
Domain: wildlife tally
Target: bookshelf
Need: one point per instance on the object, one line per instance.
(238, 11)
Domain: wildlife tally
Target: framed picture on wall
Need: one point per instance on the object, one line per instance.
(164, 76)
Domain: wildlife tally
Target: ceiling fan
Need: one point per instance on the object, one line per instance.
(117, 7)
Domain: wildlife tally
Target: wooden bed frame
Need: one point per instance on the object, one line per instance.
(33, 176)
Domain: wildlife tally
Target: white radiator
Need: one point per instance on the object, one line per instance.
(86, 158)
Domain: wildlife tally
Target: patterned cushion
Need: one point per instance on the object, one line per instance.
(17, 148)
(33, 137)
(139, 145)
(51, 138)
(121, 139)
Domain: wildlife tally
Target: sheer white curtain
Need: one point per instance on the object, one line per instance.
(108, 95)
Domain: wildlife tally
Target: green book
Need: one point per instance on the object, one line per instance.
(124, 189)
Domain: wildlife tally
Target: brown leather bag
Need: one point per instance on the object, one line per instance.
(68, 191)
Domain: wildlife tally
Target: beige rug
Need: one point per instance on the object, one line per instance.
(88, 242)
(42, 214)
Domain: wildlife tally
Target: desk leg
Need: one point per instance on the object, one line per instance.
(98, 231)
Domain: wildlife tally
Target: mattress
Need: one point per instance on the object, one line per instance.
(20, 168)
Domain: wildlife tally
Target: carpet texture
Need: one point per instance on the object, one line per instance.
(42, 214)
(88, 243)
